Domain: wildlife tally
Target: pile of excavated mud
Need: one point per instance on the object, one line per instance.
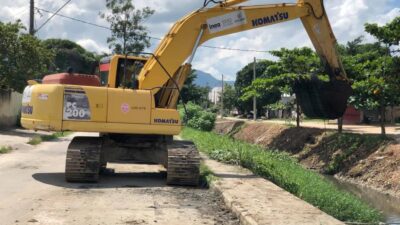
(366, 159)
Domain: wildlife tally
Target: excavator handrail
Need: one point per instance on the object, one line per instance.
(170, 78)
(162, 66)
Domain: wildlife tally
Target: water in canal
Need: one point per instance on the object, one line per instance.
(390, 206)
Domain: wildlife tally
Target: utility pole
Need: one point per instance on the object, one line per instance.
(254, 98)
(32, 18)
(222, 97)
(214, 98)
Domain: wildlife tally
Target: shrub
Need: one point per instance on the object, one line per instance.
(198, 118)
(5, 149)
(37, 139)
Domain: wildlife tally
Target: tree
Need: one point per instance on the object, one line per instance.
(297, 63)
(374, 69)
(22, 56)
(230, 98)
(244, 79)
(388, 34)
(128, 34)
(193, 93)
(70, 54)
(280, 77)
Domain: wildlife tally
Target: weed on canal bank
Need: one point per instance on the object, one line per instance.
(284, 171)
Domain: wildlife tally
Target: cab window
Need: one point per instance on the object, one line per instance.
(130, 78)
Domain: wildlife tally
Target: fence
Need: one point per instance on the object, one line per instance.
(10, 107)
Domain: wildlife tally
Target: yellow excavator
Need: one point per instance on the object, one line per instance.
(133, 103)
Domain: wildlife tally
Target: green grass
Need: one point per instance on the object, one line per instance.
(284, 171)
(40, 138)
(350, 144)
(206, 176)
(5, 149)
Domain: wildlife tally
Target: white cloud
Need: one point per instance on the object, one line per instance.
(347, 14)
(91, 45)
(383, 19)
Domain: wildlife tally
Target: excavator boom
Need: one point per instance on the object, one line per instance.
(180, 44)
(226, 19)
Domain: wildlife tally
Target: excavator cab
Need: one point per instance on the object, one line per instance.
(127, 72)
(104, 69)
(120, 71)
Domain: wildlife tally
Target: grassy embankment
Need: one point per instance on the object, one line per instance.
(345, 148)
(40, 138)
(284, 171)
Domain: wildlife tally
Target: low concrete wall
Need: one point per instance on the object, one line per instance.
(10, 106)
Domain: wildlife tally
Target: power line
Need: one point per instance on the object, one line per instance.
(51, 17)
(155, 38)
(18, 14)
(71, 18)
(235, 49)
(224, 48)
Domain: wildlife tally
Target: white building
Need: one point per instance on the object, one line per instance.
(215, 94)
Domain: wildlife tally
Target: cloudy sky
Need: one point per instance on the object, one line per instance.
(347, 18)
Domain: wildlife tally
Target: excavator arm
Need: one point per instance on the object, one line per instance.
(181, 42)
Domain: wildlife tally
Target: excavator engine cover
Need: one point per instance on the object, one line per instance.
(322, 99)
(72, 78)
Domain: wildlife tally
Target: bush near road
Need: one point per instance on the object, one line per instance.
(5, 149)
(197, 117)
(284, 171)
(40, 138)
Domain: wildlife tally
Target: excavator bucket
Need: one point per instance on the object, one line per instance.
(321, 99)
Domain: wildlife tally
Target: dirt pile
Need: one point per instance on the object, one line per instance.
(362, 158)
(381, 169)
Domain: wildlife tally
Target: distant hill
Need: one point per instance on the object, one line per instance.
(205, 79)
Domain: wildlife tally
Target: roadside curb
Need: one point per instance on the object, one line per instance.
(244, 217)
(255, 200)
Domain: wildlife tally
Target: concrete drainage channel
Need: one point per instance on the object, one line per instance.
(255, 200)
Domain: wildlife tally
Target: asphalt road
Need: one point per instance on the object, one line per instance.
(33, 191)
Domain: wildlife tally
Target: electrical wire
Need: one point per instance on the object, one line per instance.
(151, 37)
(235, 49)
(206, 2)
(51, 17)
(23, 11)
(71, 18)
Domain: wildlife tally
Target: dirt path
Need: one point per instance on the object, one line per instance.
(365, 129)
(33, 191)
(18, 138)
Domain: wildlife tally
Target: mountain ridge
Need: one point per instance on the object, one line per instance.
(204, 79)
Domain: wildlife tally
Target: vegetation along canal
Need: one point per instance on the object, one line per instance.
(390, 206)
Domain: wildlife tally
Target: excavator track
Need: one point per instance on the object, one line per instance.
(83, 159)
(183, 164)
